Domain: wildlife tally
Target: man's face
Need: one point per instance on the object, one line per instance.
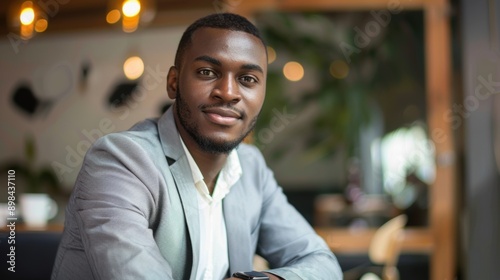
(219, 88)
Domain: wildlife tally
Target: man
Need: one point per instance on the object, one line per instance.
(180, 197)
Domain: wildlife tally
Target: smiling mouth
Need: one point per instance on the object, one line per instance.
(222, 116)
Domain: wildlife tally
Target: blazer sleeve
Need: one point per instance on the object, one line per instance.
(287, 241)
(114, 206)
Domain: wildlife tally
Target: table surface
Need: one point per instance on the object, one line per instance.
(342, 240)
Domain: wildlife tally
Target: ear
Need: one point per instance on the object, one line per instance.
(172, 82)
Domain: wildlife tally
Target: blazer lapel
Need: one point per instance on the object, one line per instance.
(181, 172)
(238, 237)
(187, 193)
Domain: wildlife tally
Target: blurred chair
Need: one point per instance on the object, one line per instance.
(384, 251)
(35, 253)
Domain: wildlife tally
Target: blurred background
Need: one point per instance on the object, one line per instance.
(374, 109)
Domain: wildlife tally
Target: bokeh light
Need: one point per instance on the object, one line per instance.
(131, 8)
(27, 16)
(113, 16)
(41, 25)
(271, 55)
(339, 69)
(293, 71)
(133, 67)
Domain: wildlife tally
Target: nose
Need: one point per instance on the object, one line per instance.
(226, 90)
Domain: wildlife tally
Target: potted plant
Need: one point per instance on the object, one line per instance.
(35, 186)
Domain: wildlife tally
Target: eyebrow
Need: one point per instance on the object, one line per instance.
(209, 59)
(252, 67)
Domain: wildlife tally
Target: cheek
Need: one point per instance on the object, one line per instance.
(193, 85)
(255, 101)
(193, 92)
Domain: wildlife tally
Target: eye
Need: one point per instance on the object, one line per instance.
(206, 73)
(248, 79)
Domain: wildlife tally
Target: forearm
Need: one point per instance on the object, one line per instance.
(318, 266)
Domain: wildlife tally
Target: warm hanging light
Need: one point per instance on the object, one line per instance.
(41, 25)
(26, 18)
(131, 12)
(113, 16)
(131, 8)
(130, 24)
(27, 15)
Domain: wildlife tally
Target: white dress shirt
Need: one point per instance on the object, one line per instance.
(214, 260)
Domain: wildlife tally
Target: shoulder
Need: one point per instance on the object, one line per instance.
(250, 154)
(130, 155)
(143, 134)
(253, 164)
(140, 145)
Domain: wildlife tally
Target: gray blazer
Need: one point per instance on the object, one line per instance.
(133, 214)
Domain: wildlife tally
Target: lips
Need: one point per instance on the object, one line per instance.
(222, 116)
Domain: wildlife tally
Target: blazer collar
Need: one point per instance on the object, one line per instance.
(169, 135)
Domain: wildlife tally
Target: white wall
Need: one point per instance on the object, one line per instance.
(60, 133)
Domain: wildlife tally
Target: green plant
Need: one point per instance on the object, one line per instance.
(36, 179)
(386, 73)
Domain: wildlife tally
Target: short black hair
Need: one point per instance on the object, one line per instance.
(227, 21)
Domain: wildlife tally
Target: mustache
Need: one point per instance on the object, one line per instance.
(229, 106)
(225, 106)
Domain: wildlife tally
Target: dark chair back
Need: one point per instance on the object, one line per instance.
(35, 253)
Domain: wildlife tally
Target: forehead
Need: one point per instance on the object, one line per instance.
(226, 44)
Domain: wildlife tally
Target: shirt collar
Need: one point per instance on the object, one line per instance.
(228, 176)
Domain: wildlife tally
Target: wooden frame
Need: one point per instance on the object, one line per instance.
(441, 237)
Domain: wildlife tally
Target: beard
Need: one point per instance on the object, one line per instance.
(206, 143)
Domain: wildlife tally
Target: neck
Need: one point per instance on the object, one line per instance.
(210, 164)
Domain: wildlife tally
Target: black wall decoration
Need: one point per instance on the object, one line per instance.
(122, 93)
(25, 100)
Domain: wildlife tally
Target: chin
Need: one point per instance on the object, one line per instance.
(218, 145)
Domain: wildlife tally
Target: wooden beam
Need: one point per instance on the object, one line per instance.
(320, 5)
(443, 193)
(249, 8)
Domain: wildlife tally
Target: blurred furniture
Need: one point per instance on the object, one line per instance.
(411, 266)
(35, 252)
(384, 251)
(438, 70)
(333, 210)
(357, 242)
